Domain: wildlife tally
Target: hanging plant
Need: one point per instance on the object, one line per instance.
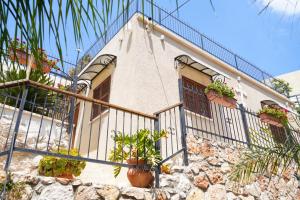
(220, 93)
(273, 116)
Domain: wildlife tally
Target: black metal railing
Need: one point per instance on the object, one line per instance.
(182, 29)
(238, 125)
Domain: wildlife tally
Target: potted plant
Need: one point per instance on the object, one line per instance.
(220, 93)
(139, 151)
(19, 52)
(273, 116)
(61, 167)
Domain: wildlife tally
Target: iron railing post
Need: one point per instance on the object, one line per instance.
(245, 124)
(157, 147)
(182, 124)
(16, 129)
(72, 105)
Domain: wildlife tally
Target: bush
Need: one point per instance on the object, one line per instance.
(221, 89)
(55, 167)
(282, 86)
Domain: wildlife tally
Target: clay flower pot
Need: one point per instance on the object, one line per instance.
(66, 176)
(139, 177)
(222, 100)
(19, 56)
(270, 120)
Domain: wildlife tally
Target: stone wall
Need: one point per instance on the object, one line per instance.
(206, 177)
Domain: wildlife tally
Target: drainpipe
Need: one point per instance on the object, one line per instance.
(81, 111)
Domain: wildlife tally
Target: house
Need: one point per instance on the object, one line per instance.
(293, 79)
(151, 62)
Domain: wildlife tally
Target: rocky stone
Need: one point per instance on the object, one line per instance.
(175, 197)
(160, 195)
(86, 192)
(195, 169)
(215, 176)
(63, 181)
(183, 184)
(57, 192)
(214, 161)
(216, 192)
(29, 179)
(201, 181)
(76, 183)
(204, 166)
(225, 168)
(231, 196)
(108, 192)
(47, 180)
(177, 169)
(36, 161)
(133, 193)
(253, 189)
(195, 194)
(39, 188)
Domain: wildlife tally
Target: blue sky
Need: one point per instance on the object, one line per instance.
(270, 41)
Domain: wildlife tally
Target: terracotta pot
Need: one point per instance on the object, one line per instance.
(139, 177)
(19, 56)
(67, 176)
(270, 120)
(224, 101)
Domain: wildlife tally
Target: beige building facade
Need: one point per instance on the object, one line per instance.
(145, 75)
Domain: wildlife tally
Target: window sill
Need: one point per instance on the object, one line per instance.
(198, 115)
(98, 117)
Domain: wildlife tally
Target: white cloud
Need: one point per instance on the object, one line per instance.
(288, 7)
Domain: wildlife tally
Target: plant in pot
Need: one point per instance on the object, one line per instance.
(139, 151)
(220, 93)
(61, 167)
(273, 116)
(18, 51)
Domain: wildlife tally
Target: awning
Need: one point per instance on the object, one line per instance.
(199, 65)
(96, 66)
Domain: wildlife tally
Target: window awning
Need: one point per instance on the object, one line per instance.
(96, 66)
(200, 66)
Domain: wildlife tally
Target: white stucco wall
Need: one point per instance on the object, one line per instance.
(145, 78)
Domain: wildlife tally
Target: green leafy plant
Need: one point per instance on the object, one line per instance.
(221, 89)
(54, 166)
(41, 96)
(276, 113)
(17, 45)
(14, 191)
(270, 159)
(281, 86)
(140, 145)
